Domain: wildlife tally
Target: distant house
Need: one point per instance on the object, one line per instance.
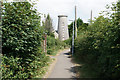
(55, 33)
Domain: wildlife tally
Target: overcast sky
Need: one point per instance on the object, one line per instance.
(66, 7)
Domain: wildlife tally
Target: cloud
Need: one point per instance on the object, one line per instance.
(57, 7)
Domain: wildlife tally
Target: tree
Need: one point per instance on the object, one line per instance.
(116, 20)
(79, 24)
(48, 24)
(82, 27)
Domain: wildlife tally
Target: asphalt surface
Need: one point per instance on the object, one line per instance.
(63, 68)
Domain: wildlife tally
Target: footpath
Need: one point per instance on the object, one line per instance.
(62, 67)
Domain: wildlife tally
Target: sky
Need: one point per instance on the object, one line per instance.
(67, 7)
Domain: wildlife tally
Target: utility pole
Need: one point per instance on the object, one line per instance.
(72, 38)
(91, 18)
(75, 22)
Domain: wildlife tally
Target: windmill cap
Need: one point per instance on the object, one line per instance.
(62, 16)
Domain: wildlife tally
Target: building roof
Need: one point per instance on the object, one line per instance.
(62, 16)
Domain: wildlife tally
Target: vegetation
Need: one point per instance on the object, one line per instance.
(48, 25)
(21, 39)
(54, 45)
(68, 42)
(98, 46)
(80, 26)
(22, 52)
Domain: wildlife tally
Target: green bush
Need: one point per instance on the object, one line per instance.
(69, 41)
(54, 45)
(20, 41)
(98, 45)
(13, 66)
(49, 51)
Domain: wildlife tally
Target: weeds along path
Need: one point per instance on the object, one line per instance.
(63, 67)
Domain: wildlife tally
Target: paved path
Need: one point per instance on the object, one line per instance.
(64, 68)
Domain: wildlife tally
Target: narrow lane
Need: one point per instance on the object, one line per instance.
(64, 68)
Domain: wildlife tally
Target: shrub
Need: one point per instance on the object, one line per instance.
(20, 41)
(54, 44)
(69, 41)
(98, 45)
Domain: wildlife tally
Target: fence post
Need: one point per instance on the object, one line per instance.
(45, 43)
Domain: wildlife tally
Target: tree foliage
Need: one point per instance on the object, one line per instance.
(21, 39)
(48, 24)
(80, 25)
(98, 46)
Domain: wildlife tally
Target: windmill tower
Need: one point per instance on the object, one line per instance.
(62, 28)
